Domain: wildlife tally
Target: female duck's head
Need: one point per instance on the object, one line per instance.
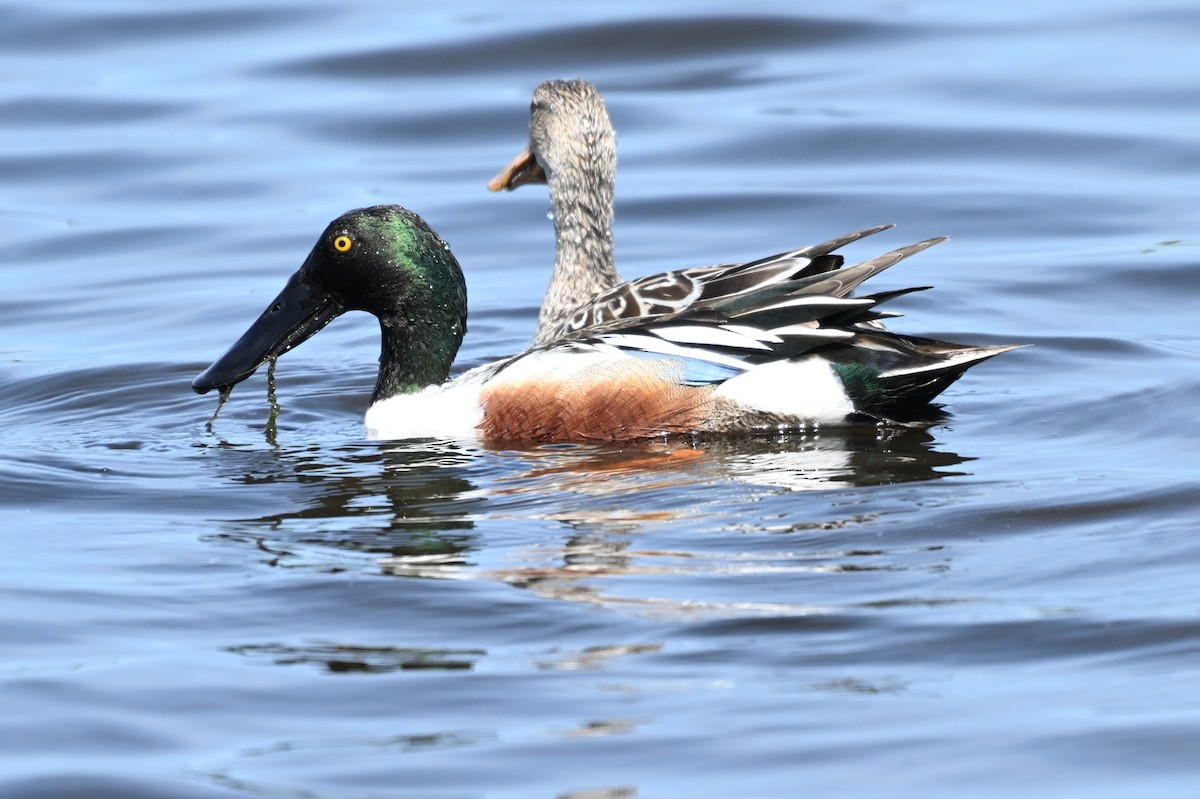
(571, 141)
(384, 260)
(572, 148)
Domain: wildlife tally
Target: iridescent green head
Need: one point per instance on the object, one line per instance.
(384, 260)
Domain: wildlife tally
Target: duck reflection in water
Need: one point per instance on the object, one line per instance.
(421, 500)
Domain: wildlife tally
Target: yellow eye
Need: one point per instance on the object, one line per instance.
(342, 243)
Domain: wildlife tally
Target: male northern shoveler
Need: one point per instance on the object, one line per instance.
(775, 342)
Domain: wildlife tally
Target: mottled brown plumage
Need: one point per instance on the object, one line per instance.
(572, 147)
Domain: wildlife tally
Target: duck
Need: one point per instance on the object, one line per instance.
(769, 345)
(572, 150)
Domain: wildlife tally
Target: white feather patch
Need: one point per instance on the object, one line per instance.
(653, 344)
(803, 330)
(448, 411)
(707, 335)
(755, 332)
(808, 299)
(562, 363)
(806, 390)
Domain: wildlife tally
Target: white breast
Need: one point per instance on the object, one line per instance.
(448, 411)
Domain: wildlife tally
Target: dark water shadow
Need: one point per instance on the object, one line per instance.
(592, 45)
(352, 501)
(339, 658)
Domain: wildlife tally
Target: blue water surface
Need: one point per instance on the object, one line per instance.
(1003, 604)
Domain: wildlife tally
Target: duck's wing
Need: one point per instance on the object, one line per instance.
(795, 291)
(791, 315)
(674, 292)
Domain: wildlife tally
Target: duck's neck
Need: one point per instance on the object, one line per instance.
(410, 361)
(582, 205)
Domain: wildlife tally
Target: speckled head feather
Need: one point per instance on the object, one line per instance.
(572, 147)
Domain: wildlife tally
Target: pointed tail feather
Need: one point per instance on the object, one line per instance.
(806, 262)
(827, 247)
(901, 389)
(842, 282)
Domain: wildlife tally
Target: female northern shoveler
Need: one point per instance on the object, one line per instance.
(572, 148)
(762, 344)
